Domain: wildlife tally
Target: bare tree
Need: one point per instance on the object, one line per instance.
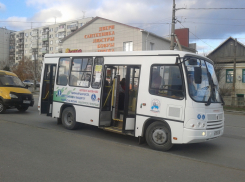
(25, 69)
(3, 64)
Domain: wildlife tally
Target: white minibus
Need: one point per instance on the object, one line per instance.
(162, 97)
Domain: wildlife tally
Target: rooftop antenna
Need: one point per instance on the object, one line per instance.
(84, 14)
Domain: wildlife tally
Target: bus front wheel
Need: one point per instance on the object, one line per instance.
(158, 136)
(69, 119)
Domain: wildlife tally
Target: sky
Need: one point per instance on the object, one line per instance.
(208, 27)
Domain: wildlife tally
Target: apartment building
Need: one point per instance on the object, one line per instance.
(34, 43)
(4, 45)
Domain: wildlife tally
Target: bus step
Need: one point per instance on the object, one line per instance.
(119, 120)
(118, 123)
(113, 129)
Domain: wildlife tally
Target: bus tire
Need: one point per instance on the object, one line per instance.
(69, 119)
(158, 136)
(2, 107)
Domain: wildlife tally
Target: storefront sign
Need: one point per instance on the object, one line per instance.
(104, 42)
(72, 51)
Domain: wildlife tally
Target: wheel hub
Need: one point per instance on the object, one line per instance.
(159, 136)
(69, 118)
(1, 107)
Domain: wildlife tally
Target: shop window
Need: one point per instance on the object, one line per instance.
(81, 72)
(63, 71)
(166, 81)
(127, 46)
(243, 76)
(229, 76)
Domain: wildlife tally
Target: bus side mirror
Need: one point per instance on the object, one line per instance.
(198, 75)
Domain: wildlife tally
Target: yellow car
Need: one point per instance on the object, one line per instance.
(13, 93)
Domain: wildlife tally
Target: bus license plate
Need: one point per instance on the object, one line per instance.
(216, 132)
(26, 101)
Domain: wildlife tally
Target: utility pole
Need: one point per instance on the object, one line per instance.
(234, 69)
(173, 27)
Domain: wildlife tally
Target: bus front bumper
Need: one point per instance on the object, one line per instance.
(196, 136)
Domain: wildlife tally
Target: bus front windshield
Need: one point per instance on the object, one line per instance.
(207, 90)
(10, 81)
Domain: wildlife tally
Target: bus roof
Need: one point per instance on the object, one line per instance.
(129, 53)
(3, 72)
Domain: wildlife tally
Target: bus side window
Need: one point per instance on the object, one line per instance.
(81, 72)
(63, 71)
(166, 81)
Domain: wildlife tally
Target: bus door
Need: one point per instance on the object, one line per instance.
(130, 100)
(108, 82)
(48, 89)
(120, 91)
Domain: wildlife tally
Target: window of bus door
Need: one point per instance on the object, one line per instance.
(97, 72)
(166, 81)
(81, 72)
(63, 71)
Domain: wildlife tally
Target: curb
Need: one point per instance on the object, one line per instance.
(238, 112)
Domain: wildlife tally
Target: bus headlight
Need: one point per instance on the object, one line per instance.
(12, 96)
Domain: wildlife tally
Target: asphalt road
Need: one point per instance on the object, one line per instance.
(35, 148)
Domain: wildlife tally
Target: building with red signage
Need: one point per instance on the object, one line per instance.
(103, 35)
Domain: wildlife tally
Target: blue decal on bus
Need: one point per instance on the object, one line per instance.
(93, 97)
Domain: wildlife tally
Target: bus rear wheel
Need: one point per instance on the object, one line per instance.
(158, 136)
(69, 119)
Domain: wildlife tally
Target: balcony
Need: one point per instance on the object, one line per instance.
(20, 52)
(45, 32)
(44, 50)
(20, 42)
(73, 28)
(34, 33)
(45, 38)
(20, 36)
(45, 44)
(60, 50)
(61, 36)
(34, 46)
(11, 50)
(62, 29)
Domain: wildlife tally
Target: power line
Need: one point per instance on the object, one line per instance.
(213, 23)
(205, 18)
(210, 8)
